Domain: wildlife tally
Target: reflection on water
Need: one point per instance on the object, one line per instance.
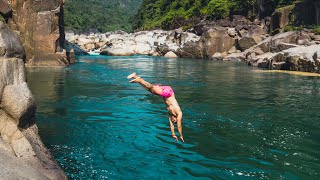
(237, 123)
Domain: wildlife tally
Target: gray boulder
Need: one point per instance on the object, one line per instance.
(19, 103)
(10, 44)
(301, 58)
(192, 50)
(261, 61)
(216, 40)
(116, 52)
(265, 44)
(246, 43)
(290, 37)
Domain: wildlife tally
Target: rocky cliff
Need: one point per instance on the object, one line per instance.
(41, 30)
(300, 13)
(22, 154)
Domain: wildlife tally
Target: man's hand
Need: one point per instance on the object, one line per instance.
(175, 137)
(181, 137)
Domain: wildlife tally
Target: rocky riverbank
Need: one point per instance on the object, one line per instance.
(227, 40)
(22, 153)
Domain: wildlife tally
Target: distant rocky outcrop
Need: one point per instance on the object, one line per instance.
(157, 42)
(22, 154)
(237, 39)
(40, 27)
(202, 41)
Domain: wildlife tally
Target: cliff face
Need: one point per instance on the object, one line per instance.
(40, 25)
(300, 13)
(22, 154)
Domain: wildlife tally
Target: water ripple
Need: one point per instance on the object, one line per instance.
(237, 124)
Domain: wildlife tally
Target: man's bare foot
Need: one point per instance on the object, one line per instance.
(135, 80)
(133, 75)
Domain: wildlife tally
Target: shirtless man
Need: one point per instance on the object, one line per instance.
(175, 114)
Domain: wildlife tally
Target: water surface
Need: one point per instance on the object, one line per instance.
(237, 123)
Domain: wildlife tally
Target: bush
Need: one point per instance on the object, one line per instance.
(218, 9)
(316, 30)
(292, 28)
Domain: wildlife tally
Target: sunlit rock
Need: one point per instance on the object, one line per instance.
(170, 54)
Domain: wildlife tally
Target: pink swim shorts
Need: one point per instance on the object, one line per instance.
(166, 91)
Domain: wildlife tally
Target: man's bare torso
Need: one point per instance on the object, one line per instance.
(172, 105)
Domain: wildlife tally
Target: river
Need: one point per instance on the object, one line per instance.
(237, 123)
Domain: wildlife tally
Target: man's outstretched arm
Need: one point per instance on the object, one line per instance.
(179, 125)
(172, 130)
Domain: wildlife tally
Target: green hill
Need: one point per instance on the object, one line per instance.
(164, 13)
(100, 15)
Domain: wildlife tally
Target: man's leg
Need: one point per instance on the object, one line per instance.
(136, 79)
(148, 86)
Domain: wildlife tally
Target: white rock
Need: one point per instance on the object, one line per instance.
(170, 54)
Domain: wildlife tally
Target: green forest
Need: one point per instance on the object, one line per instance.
(128, 15)
(163, 13)
(99, 15)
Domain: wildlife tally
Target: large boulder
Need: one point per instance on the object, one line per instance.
(116, 52)
(170, 54)
(298, 58)
(290, 37)
(251, 37)
(304, 58)
(262, 61)
(191, 50)
(19, 103)
(262, 47)
(10, 44)
(41, 28)
(246, 43)
(216, 40)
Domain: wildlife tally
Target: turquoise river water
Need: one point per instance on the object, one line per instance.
(237, 123)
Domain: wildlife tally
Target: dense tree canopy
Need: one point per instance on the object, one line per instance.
(161, 13)
(127, 15)
(99, 15)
